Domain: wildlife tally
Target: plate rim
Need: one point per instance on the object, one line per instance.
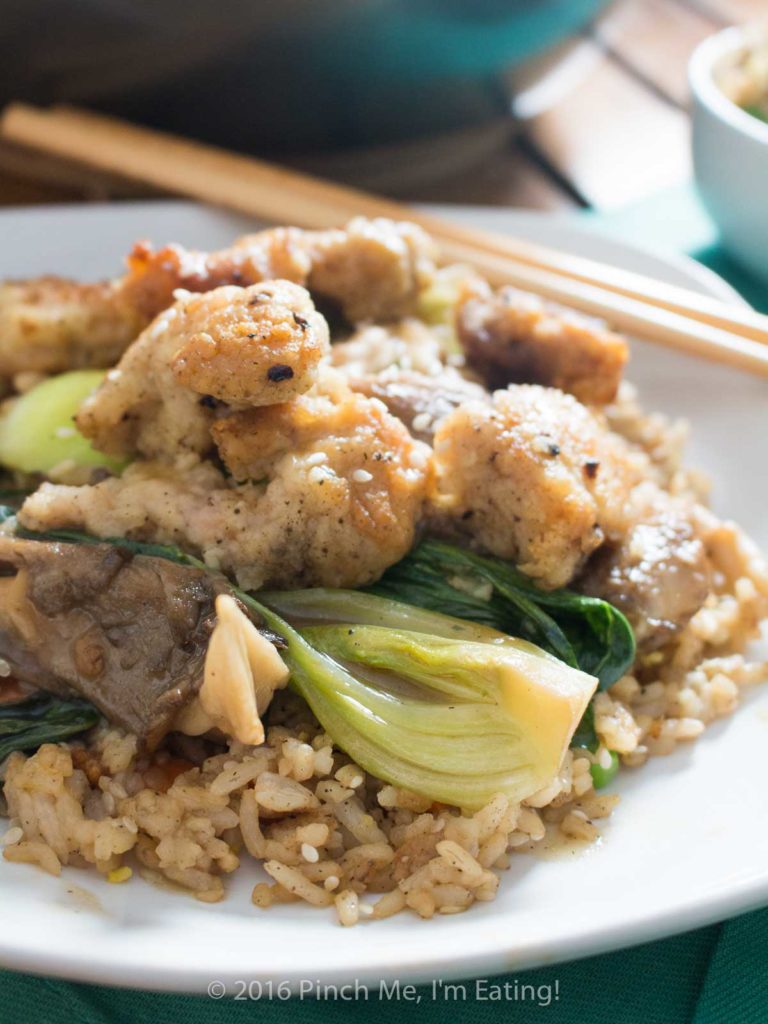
(491, 957)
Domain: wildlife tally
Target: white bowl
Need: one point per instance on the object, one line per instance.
(730, 154)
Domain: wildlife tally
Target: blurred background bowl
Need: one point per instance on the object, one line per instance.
(730, 153)
(368, 90)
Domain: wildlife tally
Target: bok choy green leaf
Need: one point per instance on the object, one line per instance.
(43, 719)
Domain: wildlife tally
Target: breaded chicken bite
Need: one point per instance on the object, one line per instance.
(236, 346)
(535, 477)
(371, 269)
(515, 337)
(264, 348)
(155, 274)
(332, 490)
(374, 269)
(51, 324)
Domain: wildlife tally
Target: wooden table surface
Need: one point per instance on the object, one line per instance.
(600, 122)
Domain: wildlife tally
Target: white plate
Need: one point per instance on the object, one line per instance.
(687, 845)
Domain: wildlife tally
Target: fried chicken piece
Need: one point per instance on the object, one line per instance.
(50, 324)
(237, 346)
(154, 275)
(658, 574)
(511, 336)
(535, 477)
(340, 489)
(372, 269)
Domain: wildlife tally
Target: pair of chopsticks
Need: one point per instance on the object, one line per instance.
(646, 308)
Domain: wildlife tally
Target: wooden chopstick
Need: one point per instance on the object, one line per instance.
(650, 309)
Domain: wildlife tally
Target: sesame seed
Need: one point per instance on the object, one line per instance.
(317, 475)
(114, 375)
(362, 476)
(5, 668)
(365, 909)
(543, 445)
(422, 422)
(418, 458)
(317, 458)
(309, 853)
(331, 882)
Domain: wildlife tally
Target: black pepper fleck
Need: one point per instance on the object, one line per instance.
(591, 467)
(279, 372)
(300, 321)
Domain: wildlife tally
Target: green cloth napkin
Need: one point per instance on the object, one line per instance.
(716, 975)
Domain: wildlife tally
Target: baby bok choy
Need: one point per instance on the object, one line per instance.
(452, 710)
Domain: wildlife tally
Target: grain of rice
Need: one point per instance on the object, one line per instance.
(235, 776)
(350, 776)
(389, 904)
(461, 860)
(34, 853)
(283, 795)
(348, 907)
(295, 883)
(333, 792)
(12, 836)
(315, 834)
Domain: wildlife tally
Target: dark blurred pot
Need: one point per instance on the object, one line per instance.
(280, 78)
